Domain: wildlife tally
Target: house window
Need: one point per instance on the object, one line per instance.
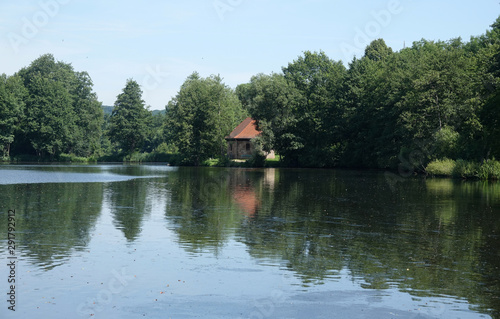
(248, 146)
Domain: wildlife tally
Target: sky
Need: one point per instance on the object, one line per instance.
(159, 43)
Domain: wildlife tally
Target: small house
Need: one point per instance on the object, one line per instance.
(239, 142)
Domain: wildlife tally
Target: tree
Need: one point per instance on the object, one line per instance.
(489, 56)
(366, 118)
(377, 50)
(89, 117)
(49, 119)
(320, 113)
(156, 134)
(443, 101)
(12, 96)
(273, 101)
(62, 114)
(199, 117)
(129, 122)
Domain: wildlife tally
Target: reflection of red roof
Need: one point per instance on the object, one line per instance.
(246, 198)
(246, 130)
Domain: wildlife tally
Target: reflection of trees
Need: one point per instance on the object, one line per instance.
(481, 216)
(430, 237)
(200, 207)
(52, 219)
(294, 224)
(128, 204)
(427, 238)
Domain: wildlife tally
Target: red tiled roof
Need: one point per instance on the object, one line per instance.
(246, 130)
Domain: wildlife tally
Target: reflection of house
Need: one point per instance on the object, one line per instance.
(239, 142)
(247, 187)
(247, 200)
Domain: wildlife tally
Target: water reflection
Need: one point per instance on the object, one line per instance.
(52, 220)
(427, 238)
(431, 237)
(128, 205)
(200, 209)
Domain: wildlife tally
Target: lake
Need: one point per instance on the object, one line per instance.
(153, 241)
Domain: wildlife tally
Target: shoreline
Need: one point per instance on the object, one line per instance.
(460, 174)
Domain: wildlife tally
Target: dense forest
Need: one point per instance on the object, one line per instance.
(433, 102)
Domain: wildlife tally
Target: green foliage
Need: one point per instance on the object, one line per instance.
(258, 158)
(273, 101)
(49, 119)
(446, 142)
(210, 162)
(12, 101)
(72, 158)
(87, 136)
(59, 111)
(433, 100)
(466, 169)
(274, 162)
(225, 161)
(377, 50)
(204, 112)
(130, 120)
(156, 137)
(167, 148)
(320, 112)
(442, 167)
(489, 169)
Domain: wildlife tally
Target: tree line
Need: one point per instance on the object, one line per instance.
(49, 111)
(431, 101)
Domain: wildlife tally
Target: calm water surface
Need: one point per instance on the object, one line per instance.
(113, 241)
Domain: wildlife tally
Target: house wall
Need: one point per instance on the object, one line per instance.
(238, 149)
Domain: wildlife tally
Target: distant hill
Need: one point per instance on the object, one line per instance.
(107, 109)
(156, 112)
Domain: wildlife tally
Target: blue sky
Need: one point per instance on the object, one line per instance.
(159, 43)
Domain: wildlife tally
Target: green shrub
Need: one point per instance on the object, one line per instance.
(136, 157)
(210, 162)
(25, 158)
(71, 158)
(273, 162)
(466, 169)
(489, 169)
(93, 159)
(160, 157)
(225, 161)
(257, 160)
(446, 142)
(166, 148)
(442, 167)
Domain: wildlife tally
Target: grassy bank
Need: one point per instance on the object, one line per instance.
(487, 170)
(225, 162)
(158, 157)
